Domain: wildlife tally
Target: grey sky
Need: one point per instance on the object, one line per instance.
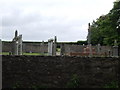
(39, 20)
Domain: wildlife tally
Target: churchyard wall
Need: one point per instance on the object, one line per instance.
(58, 71)
(31, 47)
(6, 46)
(80, 49)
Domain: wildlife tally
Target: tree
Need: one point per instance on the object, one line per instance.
(104, 28)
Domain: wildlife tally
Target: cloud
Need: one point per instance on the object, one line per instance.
(43, 19)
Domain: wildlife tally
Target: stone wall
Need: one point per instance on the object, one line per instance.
(6, 46)
(37, 47)
(57, 72)
(80, 49)
(27, 47)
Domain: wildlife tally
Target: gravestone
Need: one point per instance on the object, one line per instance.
(20, 45)
(89, 34)
(115, 49)
(17, 44)
(55, 46)
(89, 40)
(50, 47)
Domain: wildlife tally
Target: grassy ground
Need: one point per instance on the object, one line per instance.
(4, 53)
(7, 53)
(34, 54)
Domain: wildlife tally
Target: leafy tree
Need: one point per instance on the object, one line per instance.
(104, 28)
(82, 42)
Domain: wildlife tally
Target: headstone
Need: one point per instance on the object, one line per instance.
(50, 47)
(115, 49)
(89, 40)
(20, 45)
(89, 34)
(15, 47)
(17, 44)
(55, 46)
(16, 34)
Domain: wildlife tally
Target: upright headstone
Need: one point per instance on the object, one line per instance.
(115, 49)
(16, 34)
(20, 45)
(55, 46)
(50, 47)
(89, 34)
(89, 40)
(17, 44)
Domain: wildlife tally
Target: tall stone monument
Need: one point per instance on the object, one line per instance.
(17, 44)
(55, 46)
(89, 40)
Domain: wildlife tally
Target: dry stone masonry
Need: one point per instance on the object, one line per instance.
(57, 71)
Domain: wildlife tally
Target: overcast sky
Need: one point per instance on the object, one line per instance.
(39, 20)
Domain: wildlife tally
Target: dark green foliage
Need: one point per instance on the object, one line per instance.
(82, 42)
(112, 85)
(37, 87)
(74, 82)
(17, 85)
(104, 29)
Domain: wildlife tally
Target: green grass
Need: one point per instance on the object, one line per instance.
(34, 54)
(4, 53)
(7, 53)
(58, 49)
